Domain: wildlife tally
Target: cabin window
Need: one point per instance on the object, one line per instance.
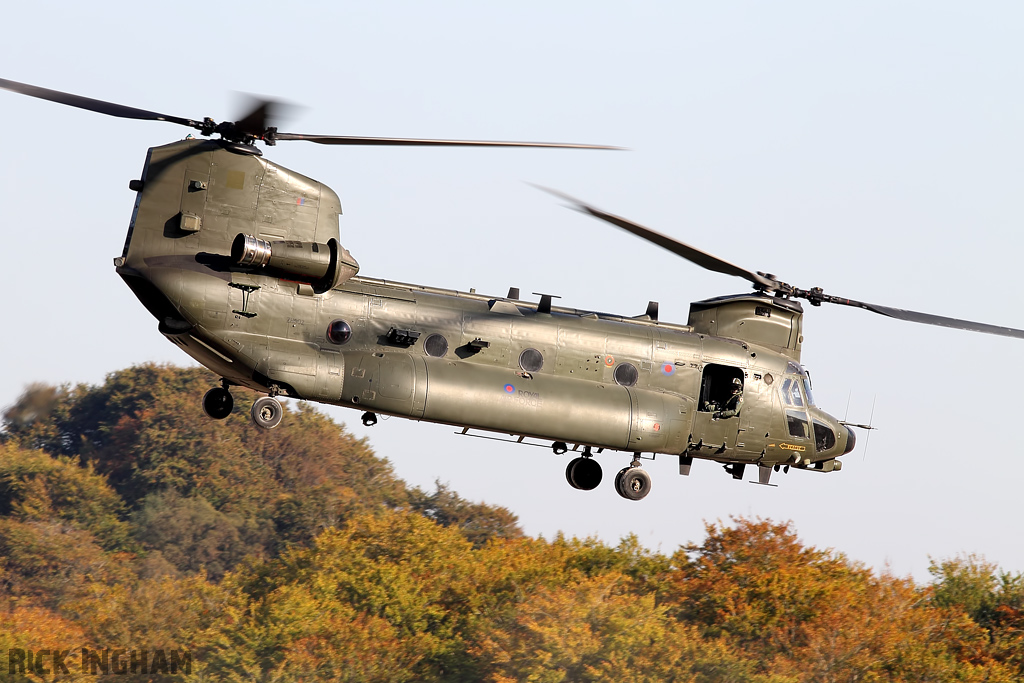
(435, 345)
(531, 360)
(716, 386)
(824, 437)
(797, 423)
(339, 332)
(626, 374)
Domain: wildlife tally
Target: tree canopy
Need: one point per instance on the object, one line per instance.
(128, 520)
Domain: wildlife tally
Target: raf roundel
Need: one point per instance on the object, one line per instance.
(510, 389)
(668, 369)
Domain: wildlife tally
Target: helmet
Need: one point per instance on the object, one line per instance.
(737, 382)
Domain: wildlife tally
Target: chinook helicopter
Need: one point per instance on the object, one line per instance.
(241, 262)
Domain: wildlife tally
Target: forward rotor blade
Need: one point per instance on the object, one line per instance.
(415, 142)
(255, 121)
(929, 319)
(692, 254)
(98, 106)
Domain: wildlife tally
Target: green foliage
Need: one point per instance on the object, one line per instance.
(193, 536)
(479, 522)
(35, 486)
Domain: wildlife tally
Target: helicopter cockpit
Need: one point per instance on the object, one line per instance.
(803, 419)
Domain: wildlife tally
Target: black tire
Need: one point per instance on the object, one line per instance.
(218, 403)
(267, 412)
(569, 472)
(618, 480)
(586, 474)
(634, 483)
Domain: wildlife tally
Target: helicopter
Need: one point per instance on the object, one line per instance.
(241, 262)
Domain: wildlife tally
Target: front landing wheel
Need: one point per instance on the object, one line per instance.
(633, 483)
(267, 412)
(217, 403)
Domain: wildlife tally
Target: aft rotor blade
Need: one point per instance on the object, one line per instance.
(692, 254)
(416, 142)
(99, 106)
(929, 319)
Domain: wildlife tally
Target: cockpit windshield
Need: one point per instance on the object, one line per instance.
(791, 392)
(804, 380)
(807, 391)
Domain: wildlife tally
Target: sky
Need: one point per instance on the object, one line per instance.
(874, 149)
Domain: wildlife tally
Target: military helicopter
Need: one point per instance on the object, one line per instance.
(241, 262)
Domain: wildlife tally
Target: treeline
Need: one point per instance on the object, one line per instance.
(130, 521)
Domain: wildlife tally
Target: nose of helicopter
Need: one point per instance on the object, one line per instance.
(851, 439)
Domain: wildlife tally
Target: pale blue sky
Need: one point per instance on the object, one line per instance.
(873, 149)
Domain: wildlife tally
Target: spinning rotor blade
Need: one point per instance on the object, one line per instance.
(416, 142)
(256, 124)
(769, 284)
(692, 254)
(99, 106)
(926, 318)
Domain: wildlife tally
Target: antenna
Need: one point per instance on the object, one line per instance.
(871, 417)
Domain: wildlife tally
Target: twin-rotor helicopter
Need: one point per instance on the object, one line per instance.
(241, 262)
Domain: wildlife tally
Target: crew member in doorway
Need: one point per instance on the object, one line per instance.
(734, 403)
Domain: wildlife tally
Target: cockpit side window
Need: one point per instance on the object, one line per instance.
(796, 421)
(824, 437)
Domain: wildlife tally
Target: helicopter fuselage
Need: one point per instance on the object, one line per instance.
(241, 262)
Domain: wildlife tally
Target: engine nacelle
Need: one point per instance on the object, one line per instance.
(323, 266)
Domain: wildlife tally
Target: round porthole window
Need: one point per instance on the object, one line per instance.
(339, 332)
(531, 360)
(626, 374)
(436, 345)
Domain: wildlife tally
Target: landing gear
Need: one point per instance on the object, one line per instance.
(583, 473)
(633, 482)
(267, 412)
(217, 403)
(369, 419)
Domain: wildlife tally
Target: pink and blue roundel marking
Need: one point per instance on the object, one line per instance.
(668, 369)
(509, 389)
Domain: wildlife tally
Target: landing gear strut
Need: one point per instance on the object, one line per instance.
(583, 473)
(218, 403)
(267, 412)
(633, 482)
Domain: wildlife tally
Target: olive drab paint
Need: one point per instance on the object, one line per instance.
(241, 262)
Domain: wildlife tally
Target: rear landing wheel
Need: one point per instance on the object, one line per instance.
(633, 483)
(267, 412)
(583, 474)
(217, 403)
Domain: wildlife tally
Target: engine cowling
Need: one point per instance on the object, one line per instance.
(323, 266)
